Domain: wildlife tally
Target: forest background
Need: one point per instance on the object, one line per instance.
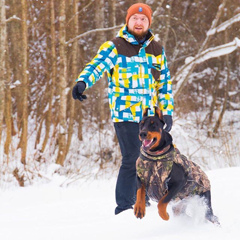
(46, 43)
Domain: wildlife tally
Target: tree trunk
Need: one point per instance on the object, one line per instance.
(54, 73)
(8, 107)
(168, 24)
(74, 73)
(214, 94)
(226, 89)
(99, 21)
(3, 33)
(24, 135)
(62, 86)
(15, 57)
(112, 18)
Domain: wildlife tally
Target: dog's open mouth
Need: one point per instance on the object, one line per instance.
(148, 143)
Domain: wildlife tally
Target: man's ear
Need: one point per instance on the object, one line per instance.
(158, 113)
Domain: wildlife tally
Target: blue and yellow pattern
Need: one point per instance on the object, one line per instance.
(131, 86)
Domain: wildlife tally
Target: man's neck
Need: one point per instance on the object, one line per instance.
(140, 41)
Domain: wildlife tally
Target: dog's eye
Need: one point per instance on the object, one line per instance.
(153, 125)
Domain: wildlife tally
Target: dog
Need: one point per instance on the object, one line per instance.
(164, 173)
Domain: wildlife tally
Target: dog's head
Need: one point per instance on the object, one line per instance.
(151, 129)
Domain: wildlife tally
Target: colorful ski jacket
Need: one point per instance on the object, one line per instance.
(138, 76)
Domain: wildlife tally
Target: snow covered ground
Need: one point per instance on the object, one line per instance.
(85, 210)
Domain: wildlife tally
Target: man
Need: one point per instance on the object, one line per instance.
(138, 78)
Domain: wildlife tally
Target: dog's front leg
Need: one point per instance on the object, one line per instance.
(162, 208)
(140, 205)
(176, 183)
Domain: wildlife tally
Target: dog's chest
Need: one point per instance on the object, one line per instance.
(155, 176)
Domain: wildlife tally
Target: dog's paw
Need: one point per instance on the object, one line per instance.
(164, 215)
(139, 211)
(162, 211)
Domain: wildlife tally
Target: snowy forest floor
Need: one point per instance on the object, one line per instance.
(86, 211)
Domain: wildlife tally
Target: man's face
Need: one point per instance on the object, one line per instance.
(138, 25)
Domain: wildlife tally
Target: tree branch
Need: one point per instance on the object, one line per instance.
(83, 9)
(188, 68)
(92, 31)
(13, 18)
(223, 26)
(204, 56)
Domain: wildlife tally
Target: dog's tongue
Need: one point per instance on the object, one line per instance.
(146, 143)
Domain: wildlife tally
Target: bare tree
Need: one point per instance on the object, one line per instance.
(112, 18)
(3, 34)
(226, 90)
(74, 73)
(187, 69)
(62, 87)
(214, 94)
(8, 107)
(168, 24)
(24, 135)
(53, 76)
(99, 22)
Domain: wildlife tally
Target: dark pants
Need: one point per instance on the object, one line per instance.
(127, 134)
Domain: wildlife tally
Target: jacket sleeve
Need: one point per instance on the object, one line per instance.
(165, 96)
(105, 60)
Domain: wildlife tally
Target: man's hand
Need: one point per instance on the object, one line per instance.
(168, 121)
(78, 89)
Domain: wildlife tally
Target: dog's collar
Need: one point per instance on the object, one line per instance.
(158, 155)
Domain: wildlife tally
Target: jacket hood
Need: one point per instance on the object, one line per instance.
(123, 33)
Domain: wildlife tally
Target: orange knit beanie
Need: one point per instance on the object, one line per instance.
(140, 8)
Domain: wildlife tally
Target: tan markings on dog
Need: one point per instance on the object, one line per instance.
(162, 208)
(140, 205)
(156, 135)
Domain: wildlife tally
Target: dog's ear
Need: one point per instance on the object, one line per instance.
(158, 113)
(145, 113)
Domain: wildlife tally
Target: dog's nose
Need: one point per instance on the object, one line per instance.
(143, 135)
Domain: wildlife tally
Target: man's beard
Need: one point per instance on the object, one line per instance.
(139, 36)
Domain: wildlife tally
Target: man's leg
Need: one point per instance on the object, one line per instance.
(127, 133)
